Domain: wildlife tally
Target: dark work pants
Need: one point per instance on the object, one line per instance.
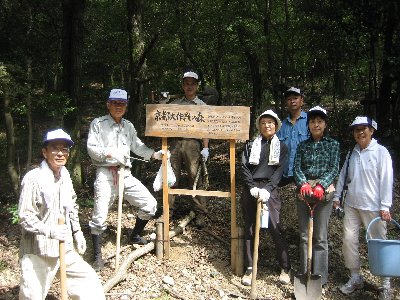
(249, 207)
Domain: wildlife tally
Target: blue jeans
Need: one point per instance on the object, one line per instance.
(322, 212)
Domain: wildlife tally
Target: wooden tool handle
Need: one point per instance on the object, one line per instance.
(63, 273)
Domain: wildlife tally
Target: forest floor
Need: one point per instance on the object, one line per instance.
(199, 266)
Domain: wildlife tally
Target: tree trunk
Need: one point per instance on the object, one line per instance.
(11, 165)
(72, 44)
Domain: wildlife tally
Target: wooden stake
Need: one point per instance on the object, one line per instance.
(234, 233)
(159, 240)
(165, 198)
(63, 272)
(121, 171)
(253, 292)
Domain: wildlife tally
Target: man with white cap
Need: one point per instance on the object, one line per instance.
(187, 152)
(46, 195)
(110, 141)
(263, 161)
(294, 129)
(369, 184)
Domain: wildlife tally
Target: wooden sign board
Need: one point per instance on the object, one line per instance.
(198, 121)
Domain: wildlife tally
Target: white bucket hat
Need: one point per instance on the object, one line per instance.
(269, 113)
(318, 110)
(191, 74)
(58, 134)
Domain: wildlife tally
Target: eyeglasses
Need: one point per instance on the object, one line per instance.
(55, 150)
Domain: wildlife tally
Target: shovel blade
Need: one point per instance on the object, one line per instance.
(307, 287)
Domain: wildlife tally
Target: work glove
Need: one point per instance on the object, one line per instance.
(117, 154)
(254, 191)
(306, 189)
(159, 154)
(205, 153)
(80, 242)
(319, 192)
(264, 195)
(59, 232)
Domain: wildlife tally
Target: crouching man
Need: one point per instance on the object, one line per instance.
(46, 195)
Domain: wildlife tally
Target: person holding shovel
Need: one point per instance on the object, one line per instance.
(187, 153)
(263, 161)
(46, 195)
(315, 167)
(110, 141)
(369, 195)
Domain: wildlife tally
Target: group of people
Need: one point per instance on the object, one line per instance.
(296, 150)
(299, 151)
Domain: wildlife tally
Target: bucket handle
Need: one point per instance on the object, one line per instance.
(376, 219)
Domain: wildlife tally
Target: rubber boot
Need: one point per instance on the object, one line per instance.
(137, 231)
(98, 262)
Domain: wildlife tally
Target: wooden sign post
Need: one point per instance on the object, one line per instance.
(199, 121)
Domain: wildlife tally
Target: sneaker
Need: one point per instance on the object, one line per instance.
(246, 279)
(385, 294)
(284, 278)
(355, 283)
(137, 239)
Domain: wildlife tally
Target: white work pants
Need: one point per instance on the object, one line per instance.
(106, 191)
(38, 273)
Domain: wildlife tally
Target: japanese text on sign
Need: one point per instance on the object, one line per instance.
(197, 121)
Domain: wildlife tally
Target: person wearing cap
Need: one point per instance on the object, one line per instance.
(369, 195)
(263, 161)
(294, 129)
(46, 195)
(111, 139)
(187, 152)
(315, 168)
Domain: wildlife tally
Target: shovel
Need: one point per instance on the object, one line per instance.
(253, 292)
(308, 286)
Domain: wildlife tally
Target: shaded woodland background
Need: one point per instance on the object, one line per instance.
(57, 58)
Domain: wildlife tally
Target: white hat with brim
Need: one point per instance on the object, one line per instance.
(366, 121)
(118, 95)
(293, 90)
(58, 134)
(191, 75)
(317, 111)
(269, 113)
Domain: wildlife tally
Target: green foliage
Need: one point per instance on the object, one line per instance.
(56, 105)
(85, 202)
(12, 211)
(3, 265)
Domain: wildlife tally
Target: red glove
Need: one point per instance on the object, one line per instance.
(319, 192)
(306, 189)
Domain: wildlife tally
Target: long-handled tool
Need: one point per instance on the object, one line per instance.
(121, 171)
(63, 273)
(308, 286)
(253, 292)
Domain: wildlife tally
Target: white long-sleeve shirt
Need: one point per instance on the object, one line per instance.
(42, 201)
(106, 136)
(369, 179)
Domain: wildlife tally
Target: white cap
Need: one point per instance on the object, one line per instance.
(269, 113)
(317, 110)
(118, 94)
(364, 121)
(58, 134)
(293, 90)
(191, 75)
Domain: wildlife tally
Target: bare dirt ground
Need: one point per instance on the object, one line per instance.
(199, 266)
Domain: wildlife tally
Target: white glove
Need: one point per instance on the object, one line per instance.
(205, 153)
(118, 156)
(159, 154)
(254, 192)
(264, 195)
(80, 242)
(59, 232)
